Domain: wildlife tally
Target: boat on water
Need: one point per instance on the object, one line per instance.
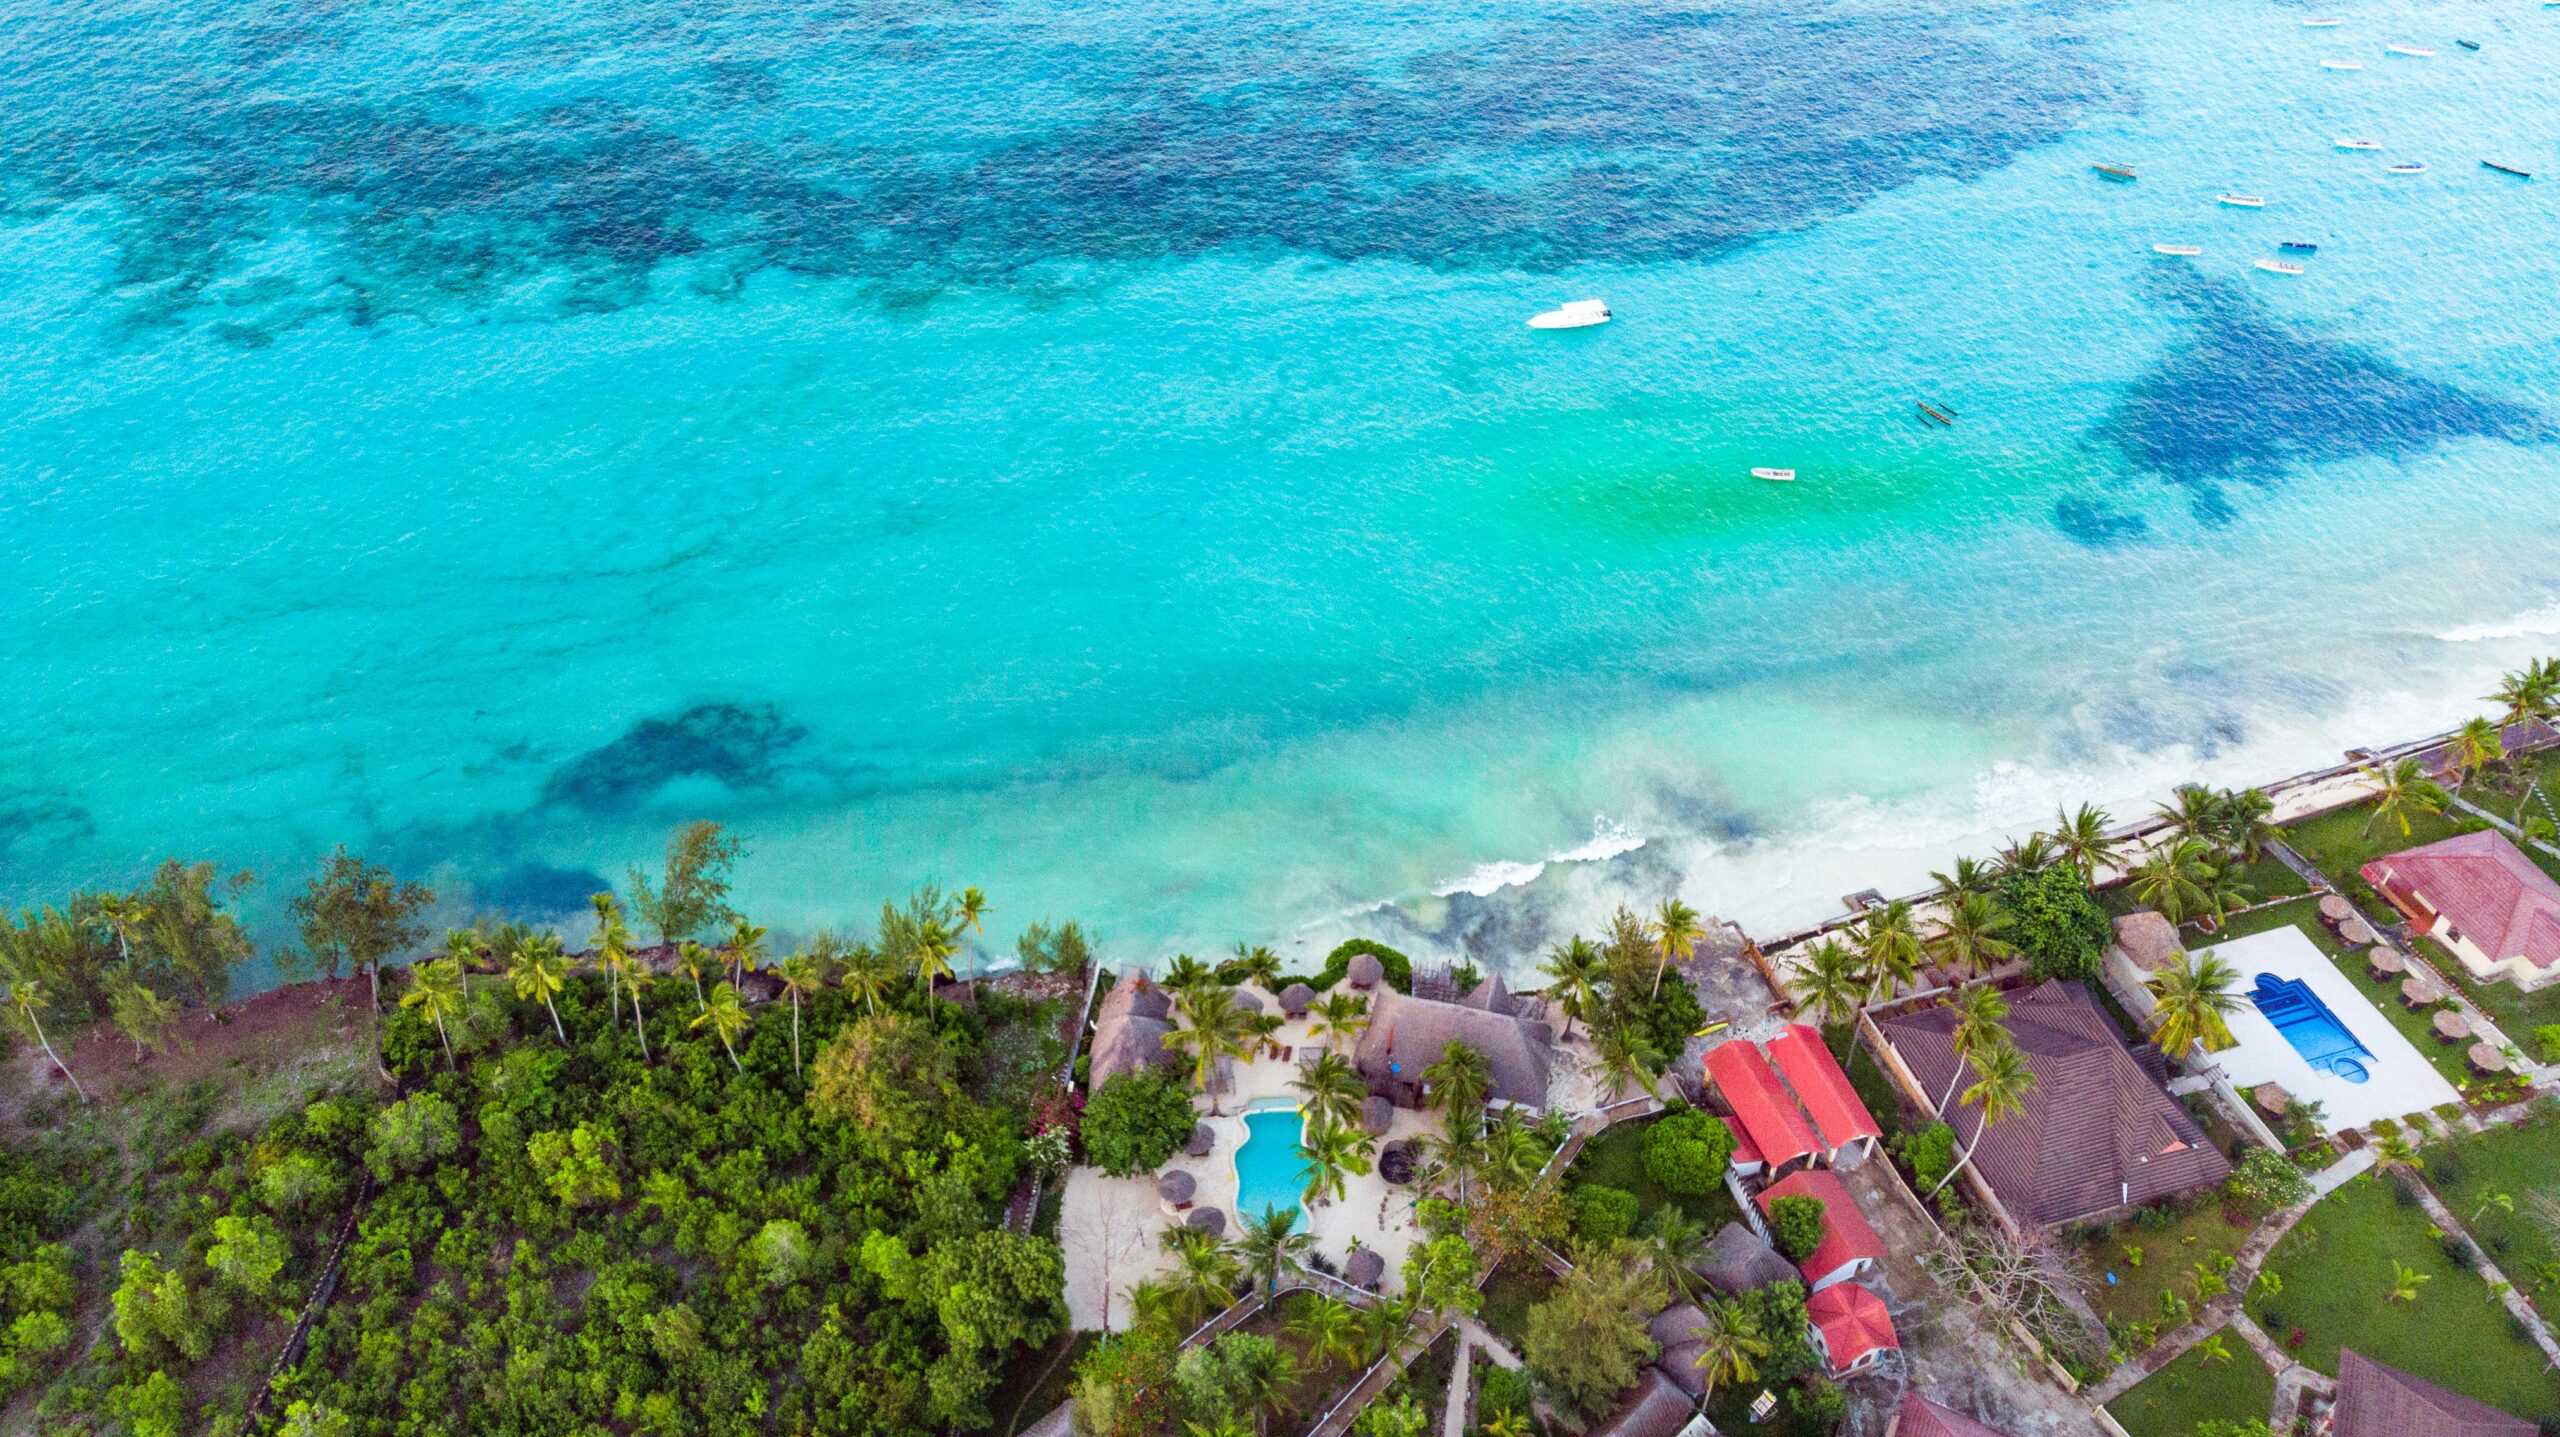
(2409, 167)
(2468, 44)
(2342, 64)
(2415, 52)
(2246, 202)
(2278, 266)
(2183, 251)
(2347, 144)
(1573, 314)
(1775, 476)
(2322, 22)
(2507, 169)
(2300, 246)
(1936, 414)
(2115, 172)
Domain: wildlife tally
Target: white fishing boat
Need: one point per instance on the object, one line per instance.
(2342, 64)
(2245, 202)
(1775, 476)
(2324, 22)
(2347, 144)
(2415, 52)
(2406, 167)
(2183, 251)
(2277, 266)
(1573, 314)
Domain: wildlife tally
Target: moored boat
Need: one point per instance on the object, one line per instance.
(2468, 44)
(2342, 64)
(2245, 202)
(2181, 250)
(2278, 266)
(2508, 169)
(2405, 167)
(2347, 144)
(2115, 172)
(1775, 476)
(1934, 414)
(2300, 246)
(1574, 314)
(2323, 22)
(2415, 52)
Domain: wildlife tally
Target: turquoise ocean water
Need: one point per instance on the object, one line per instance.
(1094, 452)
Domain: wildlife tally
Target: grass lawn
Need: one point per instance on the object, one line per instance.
(2170, 1256)
(2171, 1401)
(2518, 1161)
(1868, 1077)
(2338, 843)
(2516, 1012)
(1514, 1288)
(2509, 801)
(2336, 1267)
(1616, 1159)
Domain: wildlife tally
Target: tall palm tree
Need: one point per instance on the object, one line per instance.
(2083, 838)
(1968, 936)
(930, 949)
(744, 950)
(539, 970)
(1512, 1152)
(1460, 1078)
(28, 995)
(868, 976)
(613, 949)
(1891, 947)
(436, 989)
(1204, 1270)
(1573, 970)
(2197, 814)
(462, 946)
(1731, 1345)
(1340, 1018)
(2476, 745)
(1214, 1028)
(1271, 1245)
(1258, 1379)
(1627, 1059)
(1386, 1322)
(1257, 965)
(2248, 824)
(2399, 790)
(1329, 1329)
(2191, 1001)
(1676, 931)
(2172, 879)
(1335, 1153)
(1678, 1243)
(695, 960)
(2526, 694)
(2031, 854)
(1830, 982)
(727, 1018)
(2001, 1080)
(124, 915)
(1978, 1013)
(1330, 1089)
(2226, 891)
(802, 976)
(968, 915)
(613, 954)
(1969, 876)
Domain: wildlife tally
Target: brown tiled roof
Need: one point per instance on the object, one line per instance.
(1406, 1035)
(2379, 1401)
(1921, 1417)
(1654, 1407)
(2487, 888)
(2097, 1131)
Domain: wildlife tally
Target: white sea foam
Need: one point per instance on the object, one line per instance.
(1488, 879)
(1608, 840)
(2532, 623)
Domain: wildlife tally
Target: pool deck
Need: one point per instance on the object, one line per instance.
(2402, 1081)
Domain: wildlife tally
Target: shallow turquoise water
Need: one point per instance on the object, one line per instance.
(1271, 1171)
(1094, 453)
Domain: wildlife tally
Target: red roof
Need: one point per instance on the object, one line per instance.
(1852, 1321)
(1846, 1236)
(1768, 1115)
(2492, 894)
(1924, 1418)
(1824, 1090)
(1745, 1151)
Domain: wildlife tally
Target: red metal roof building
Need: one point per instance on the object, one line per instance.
(2483, 898)
(1746, 1154)
(1768, 1114)
(1849, 1244)
(1851, 1328)
(1805, 1061)
(1921, 1417)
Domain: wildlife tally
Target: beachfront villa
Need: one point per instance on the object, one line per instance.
(1850, 1328)
(1407, 1034)
(2483, 898)
(2303, 1026)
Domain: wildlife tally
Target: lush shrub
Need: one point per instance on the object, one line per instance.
(1505, 1390)
(1602, 1214)
(412, 1135)
(1670, 1015)
(2547, 1038)
(1821, 1402)
(2267, 1180)
(2404, 1189)
(1796, 1226)
(1136, 1122)
(1931, 1153)
(2459, 1251)
(1686, 1152)
(2220, 1427)
(1337, 964)
(2055, 919)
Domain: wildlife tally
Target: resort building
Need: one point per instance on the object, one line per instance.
(1850, 1247)
(2480, 896)
(1920, 1417)
(2378, 1401)
(1407, 1034)
(1848, 1132)
(1850, 1329)
(1654, 1407)
(2098, 1132)
(2146, 943)
(1738, 1260)
(1792, 1106)
(1775, 1131)
(1129, 1028)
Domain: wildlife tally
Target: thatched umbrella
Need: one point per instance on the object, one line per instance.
(1364, 1268)
(1208, 1220)
(2487, 1059)
(2451, 1026)
(1201, 1141)
(2385, 961)
(1365, 971)
(1176, 1187)
(1295, 1000)
(2335, 908)
(1395, 1163)
(2356, 933)
(1377, 1115)
(2418, 990)
(2272, 1097)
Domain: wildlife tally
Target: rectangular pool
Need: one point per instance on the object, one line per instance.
(1271, 1171)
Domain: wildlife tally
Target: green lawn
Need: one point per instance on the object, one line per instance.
(2195, 1388)
(2509, 801)
(2339, 845)
(2516, 1012)
(1616, 1159)
(2336, 1267)
(2517, 1161)
(1868, 1077)
(1514, 1288)
(2170, 1256)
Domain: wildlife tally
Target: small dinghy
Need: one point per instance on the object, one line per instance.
(2342, 64)
(1775, 476)
(2414, 52)
(2406, 167)
(2245, 202)
(2300, 246)
(1575, 314)
(2182, 251)
(2507, 169)
(2278, 266)
(2115, 172)
(1936, 415)
(2324, 22)
(2468, 44)
(2347, 144)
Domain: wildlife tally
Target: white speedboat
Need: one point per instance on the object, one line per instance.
(2183, 251)
(2277, 266)
(1775, 476)
(2415, 52)
(2346, 144)
(2409, 167)
(1573, 314)
(2246, 202)
(2342, 64)
(2325, 22)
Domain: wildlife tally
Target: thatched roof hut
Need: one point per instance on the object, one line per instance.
(1296, 999)
(1365, 971)
(1364, 1268)
(1738, 1260)
(1129, 1028)
(1177, 1187)
(1406, 1035)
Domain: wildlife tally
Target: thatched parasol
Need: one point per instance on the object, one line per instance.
(1201, 1141)
(1176, 1187)
(2356, 933)
(2335, 908)
(2487, 1059)
(2272, 1098)
(1365, 971)
(2418, 990)
(1295, 1000)
(1363, 1268)
(2451, 1026)
(1208, 1220)
(2385, 961)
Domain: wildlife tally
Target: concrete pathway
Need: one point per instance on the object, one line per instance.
(2303, 868)
(1494, 1349)
(1453, 1417)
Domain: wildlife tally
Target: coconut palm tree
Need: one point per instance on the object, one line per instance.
(1156, 1307)
(1257, 965)
(2476, 745)
(1386, 1323)
(1330, 1089)
(744, 950)
(2190, 1001)
(436, 990)
(726, 1017)
(1573, 969)
(2031, 854)
(539, 970)
(1979, 1013)
(613, 949)
(1258, 1379)
(2248, 824)
(2197, 814)
(2226, 891)
(1204, 1271)
(1329, 1329)
(1512, 1152)
(2001, 1082)
(695, 960)
(1968, 936)
(1678, 1242)
(1509, 1422)
(1460, 1079)
(2173, 877)
(1340, 1018)
(802, 975)
(969, 912)
(124, 915)
(2399, 790)
(1830, 982)
(463, 946)
(1731, 1345)
(1627, 1058)
(868, 976)
(28, 995)
(2526, 694)
(930, 946)
(1970, 876)
(1186, 974)
(1891, 947)
(2083, 838)
(613, 954)
(1271, 1245)
(1676, 931)
(1215, 1027)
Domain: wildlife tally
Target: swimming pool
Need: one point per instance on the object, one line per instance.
(2311, 1028)
(1270, 1170)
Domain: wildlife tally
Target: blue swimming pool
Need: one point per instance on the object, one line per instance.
(1270, 1170)
(2311, 1028)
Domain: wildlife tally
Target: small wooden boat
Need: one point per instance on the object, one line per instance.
(1934, 414)
(2414, 52)
(2347, 144)
(2508, 169)
(1775, 476)
(2300, 246)
(2245, 202)
(2468, 44)
(2278, 266)
(1573, 314)
(2406, 167)
(2183, 251)
(2342, 64)
(2116, 172)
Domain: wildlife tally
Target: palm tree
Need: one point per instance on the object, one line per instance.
(1225, 1424)
(2173, 877)
(1512, 1152)
(1330, 1088)
(462, 946)
(1970, 876)
(2190, 1001)
(436, 989)
(802, 976)
(1509, 1422)
(2226, 891)
(2398, 791)
(968, 915)
(1627, 1058)
(1186, 974)
(1573, 970)
(2405, 1282)
(1257, 965)
(1271, 1245)
(1978, 1013)
(1459, 1079)
(28, 995)
(124, 916)
(1676, 931)
(1335, 1153)
(1258, 1378)
(1340, 1018)
(613, 949)
(538, 971)
(2476, 745)
(1891, 947)
(1329, 1329)
(1386, 1323)
(2527, 694)
(2031, 854)
(868, 976)
(695, 960)
(726, 1017)
(1731, 1345)
(615, 956)
(2083, 838)
(1968, 935)
(1155, 1306)
(1830, 982)
(745, 950)
(2000, 1085)
(2198, 813)
(1678, 1242)
(1204, 1271)
(2248, 824)
(930, 948)
(1215, 1028)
